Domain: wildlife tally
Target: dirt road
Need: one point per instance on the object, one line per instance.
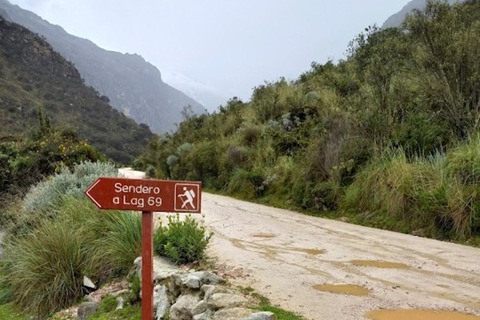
(330, 270)
(298, 261)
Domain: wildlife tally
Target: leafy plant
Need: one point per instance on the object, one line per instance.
(182, 241)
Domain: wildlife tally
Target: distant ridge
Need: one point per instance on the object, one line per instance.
(397, 19)
(134, 86)
(33, 74)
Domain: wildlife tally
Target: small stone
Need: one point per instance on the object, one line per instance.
(344, 219)
(120, 302)
(86, 310)
(201, 307)
(225, 301)
(208, 290)
(89, 283)
(207, 315)
(195, 280)
(160, 302)
(162, 268)
(261, 316)
(232, 314)
(182, 309)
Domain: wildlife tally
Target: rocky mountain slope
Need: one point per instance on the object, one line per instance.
(33, 74)
(134, 86)
(397, 19)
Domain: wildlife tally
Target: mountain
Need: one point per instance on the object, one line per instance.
(208, 96)
(397, 19)
(134, 86)
(32, 73)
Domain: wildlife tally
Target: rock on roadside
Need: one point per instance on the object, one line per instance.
(198, 295)
(86, 310)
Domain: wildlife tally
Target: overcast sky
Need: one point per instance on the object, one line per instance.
(230, 45)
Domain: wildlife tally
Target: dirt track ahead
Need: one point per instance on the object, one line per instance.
(288, 256)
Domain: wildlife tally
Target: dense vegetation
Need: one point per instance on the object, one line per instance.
(33, 74)
(388, 137)
(55, 237)
(42, 151)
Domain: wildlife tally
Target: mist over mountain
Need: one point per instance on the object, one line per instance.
(134, 86)
(33, 74)
(397, 19)
(208, 96)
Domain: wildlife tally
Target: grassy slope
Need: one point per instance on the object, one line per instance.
(376, 138)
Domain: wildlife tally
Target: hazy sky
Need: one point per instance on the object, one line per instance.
(230, 45)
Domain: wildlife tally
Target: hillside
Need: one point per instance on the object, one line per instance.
(397, 19)
(33, 74)
(134, 86)
(388, 137)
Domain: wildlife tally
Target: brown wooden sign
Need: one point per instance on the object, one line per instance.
(146, 195)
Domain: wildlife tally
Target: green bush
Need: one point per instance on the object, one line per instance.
(47, 194)
(248, 185)
(419, 193)
(46, 268)
(182, 241)
(464, 161)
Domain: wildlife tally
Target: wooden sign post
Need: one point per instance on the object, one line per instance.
(146, 196)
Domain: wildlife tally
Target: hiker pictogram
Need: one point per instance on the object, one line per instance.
(186, 197)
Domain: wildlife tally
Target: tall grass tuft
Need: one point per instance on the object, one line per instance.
(46, 268)
(439, 194)
(121, 243)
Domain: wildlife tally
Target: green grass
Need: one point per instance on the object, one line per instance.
(9, 312)
(281, 313)
(264, 304)
(46, 268)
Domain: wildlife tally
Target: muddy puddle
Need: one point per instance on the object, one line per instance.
(311, 251)
(379, 264)
(264, 235)
(418, 315)
(348, 289)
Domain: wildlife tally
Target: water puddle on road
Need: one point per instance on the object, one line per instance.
(379, 264)
(418, 315)
(342, 289)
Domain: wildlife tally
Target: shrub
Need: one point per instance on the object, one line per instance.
(247, 184)
(235, 156)
(46, 268)
(172, 160)
(150, 172)
(47, 194)
(184, 149)
(182, 241)
(250, 136)
(464, 161)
